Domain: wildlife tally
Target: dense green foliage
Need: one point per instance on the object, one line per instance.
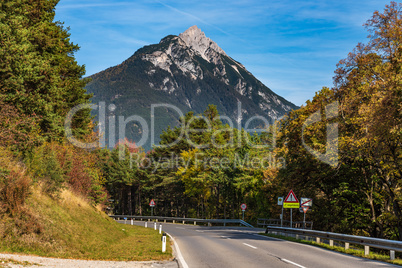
(207, 175)
(38, 72)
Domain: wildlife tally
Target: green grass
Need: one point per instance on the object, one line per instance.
(355, 252)
(71, 228)
(5, 262)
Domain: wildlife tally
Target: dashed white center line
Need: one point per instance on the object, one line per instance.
(295, 264)
(199, 231)
(249, 246)
(225, 237)
(180, 228)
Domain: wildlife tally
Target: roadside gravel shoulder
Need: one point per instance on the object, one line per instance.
(35, 261)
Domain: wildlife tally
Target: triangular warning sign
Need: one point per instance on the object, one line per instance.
(305, 209)
(152, 203)
(291, 198)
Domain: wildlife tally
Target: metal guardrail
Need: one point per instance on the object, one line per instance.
(367, 242)
(183, 220)
(246, 223)
(277, 222)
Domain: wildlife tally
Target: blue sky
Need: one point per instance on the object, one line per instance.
(291, 46)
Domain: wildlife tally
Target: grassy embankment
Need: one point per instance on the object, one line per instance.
(68, 227)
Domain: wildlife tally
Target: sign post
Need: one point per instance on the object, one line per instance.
(243, 208)
(152, 204)
(304, 217)
(291, 202)
(280, 203)
(291, 218)
(306, 203)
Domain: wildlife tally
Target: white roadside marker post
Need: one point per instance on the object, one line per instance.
(146, 224)
(164, 242)
(155, 226)
(132, 222)
(160, 228)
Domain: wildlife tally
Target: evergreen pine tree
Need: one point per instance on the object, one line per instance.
(38, 72)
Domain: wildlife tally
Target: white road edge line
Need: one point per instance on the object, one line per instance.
(249, 246)
(273, 238)
(180, 258)
(295, 264)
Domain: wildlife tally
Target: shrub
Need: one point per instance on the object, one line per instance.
(18, 132)
(14, 184)
(46, 167)
(59, 165)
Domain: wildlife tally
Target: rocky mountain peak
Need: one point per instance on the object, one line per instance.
(196, 39)
(188, 71)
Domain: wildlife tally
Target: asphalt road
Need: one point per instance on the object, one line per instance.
(231, 247)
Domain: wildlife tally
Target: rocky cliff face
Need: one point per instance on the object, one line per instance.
(197, 41)
(188, 71)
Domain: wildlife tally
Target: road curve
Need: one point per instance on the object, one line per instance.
(242, 247)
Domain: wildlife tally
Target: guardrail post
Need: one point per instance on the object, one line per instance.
(331, 242)
(164, 220)
(195, 223)
(156, 220)
(392, 255)
(317, 239)
(174, 221)
(366, 250)
(183, 222)
(164, 242)
(346, 245)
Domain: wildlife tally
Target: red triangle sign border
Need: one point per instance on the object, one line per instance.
(291, 193)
